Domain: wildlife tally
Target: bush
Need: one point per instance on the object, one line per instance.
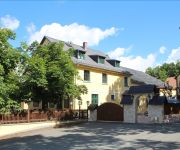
(66, 115)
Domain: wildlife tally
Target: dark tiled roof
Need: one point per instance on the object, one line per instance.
(142, 89)
(140, 77)
(137, 76)
(127, 100)
(158, 100)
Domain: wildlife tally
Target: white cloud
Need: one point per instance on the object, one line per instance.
(162, 49)
(9, 22)
(74, 32)
(138, 62)
(31, 28)
(134, 62)
(174, 55)
(118, 52)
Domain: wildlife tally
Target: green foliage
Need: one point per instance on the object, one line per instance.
(9, 79)
(50, 74)
(165, 71)
(35, 72)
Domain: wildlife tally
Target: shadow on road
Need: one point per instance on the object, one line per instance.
(93, 136)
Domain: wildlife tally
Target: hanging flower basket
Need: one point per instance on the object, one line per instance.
(92, 107)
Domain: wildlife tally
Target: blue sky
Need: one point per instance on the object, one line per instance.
(139, 33)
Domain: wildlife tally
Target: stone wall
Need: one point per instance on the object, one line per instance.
(156, 113)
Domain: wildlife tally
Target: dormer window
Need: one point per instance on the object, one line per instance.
(101, 60)
(113, 62)
(117, 64)
(98, 59)
(80, 54)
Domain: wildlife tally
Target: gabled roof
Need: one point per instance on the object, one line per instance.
(88, 61)
(137, 76)
(142, 78)
(142, 89)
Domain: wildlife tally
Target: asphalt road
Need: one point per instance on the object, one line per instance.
(91, 136)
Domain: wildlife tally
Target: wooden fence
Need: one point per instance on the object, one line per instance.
(36, 116)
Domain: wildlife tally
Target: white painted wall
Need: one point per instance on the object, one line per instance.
(92, 115)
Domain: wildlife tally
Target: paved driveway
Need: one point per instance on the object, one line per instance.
(100, 136)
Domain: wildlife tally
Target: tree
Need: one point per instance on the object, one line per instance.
(164, 71)
(9, 78)
(50, 74)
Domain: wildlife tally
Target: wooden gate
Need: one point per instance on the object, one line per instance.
(110, 112)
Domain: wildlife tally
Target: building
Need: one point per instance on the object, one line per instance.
(171, 82)
(105, 79)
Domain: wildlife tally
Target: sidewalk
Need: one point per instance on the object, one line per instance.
(11, 129)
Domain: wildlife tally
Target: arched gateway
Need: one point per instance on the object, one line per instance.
(142, 104)
(110, 112)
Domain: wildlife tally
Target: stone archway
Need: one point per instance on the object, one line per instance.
(143, 101)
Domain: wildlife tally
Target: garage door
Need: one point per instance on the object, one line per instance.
(110, 112)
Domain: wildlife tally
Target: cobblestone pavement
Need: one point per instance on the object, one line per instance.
(98, 135)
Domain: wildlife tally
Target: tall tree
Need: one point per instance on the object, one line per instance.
(50, 74)
(164, 71)
(9, 78)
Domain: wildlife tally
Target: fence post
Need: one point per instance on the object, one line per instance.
(2, 118)
(28, 116)
(18, 120)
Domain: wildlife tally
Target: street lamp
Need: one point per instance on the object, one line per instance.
(87, 102)
(79, 103)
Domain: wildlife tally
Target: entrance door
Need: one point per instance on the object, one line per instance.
(110, 112)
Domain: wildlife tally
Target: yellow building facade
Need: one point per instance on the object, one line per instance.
(111, 91)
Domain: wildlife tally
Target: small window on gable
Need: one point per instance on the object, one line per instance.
(126, 81)
(101, 60)
(112, 97)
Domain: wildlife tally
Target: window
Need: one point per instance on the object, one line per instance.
(86, 75)
(125, 81)
(94, 99)
(112, 97)
(35, 104)
(117, 64)
(101, 60)
(104, 78)
(79, 54)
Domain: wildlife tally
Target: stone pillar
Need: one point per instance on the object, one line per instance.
(156, 113)
(92, 115)
(129, 114)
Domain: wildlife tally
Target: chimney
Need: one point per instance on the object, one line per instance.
(85, 44)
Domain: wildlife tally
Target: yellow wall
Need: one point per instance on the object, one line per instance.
(30, 105)
(115, 85)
